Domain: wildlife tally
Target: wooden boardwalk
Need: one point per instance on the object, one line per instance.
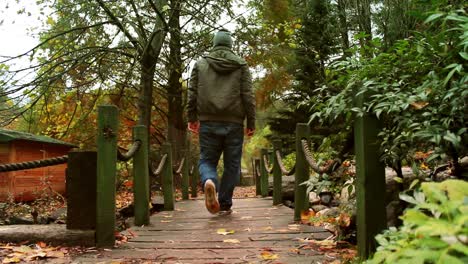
(255, 232)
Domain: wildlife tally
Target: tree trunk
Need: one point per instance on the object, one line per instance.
(145, 98)
(343, 27)
(177, 130)
(148, 61)
(363, 8)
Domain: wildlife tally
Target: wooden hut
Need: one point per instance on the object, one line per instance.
(27, 185)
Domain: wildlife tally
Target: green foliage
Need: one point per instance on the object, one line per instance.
(258, 141)
(435, 230)
(289, 161)
(418, 88)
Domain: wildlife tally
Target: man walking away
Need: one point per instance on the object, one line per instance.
(220, 98)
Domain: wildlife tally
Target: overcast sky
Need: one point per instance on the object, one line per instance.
(14, 36)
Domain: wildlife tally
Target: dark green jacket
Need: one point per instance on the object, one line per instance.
(220, 89)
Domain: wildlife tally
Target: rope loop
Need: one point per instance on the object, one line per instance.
(281, 165)
(130, 153)
(181, 166)
(313, 164)
(268, 167)
(161, 164)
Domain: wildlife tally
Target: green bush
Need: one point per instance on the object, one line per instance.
(435, 230)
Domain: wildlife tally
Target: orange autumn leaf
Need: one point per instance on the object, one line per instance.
(266, 255)
(344, 220)
(419, 105)
(306, 215)
(128, 184)
(41, 244)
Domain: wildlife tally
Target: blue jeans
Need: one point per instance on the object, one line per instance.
(216, 138)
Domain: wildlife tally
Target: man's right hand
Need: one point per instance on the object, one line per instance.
(194, 126)
(249, 132)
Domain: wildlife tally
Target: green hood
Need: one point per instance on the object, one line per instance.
(223, 60)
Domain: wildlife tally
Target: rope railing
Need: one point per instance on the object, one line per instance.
(281, 165)
(161, 164)
(313, 164)
(130, 153)
(33, 164)
(370, 172)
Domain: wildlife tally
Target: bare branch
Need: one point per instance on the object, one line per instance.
(117, 22)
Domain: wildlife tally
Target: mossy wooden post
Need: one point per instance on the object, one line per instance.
(258, 190)
(301, 199)
(277, 179)
(106, 175)
(263, 173)
(81, 189)
(185, 174)
(194, 180)
(370, 187)
(168, 179)
(141, 177)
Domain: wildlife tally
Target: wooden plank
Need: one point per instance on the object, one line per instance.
(210, 255)
(221, 245)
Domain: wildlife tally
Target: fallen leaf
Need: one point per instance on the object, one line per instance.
(306, 216)
(224, 232)
(11, 260)
(234, 241)
(22, 249)
(294, 250)
(324, 244)
(344, 220)
(266, 255)
(37, 256)
(41, 244)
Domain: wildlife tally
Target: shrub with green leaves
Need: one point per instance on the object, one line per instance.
(435, 230)
(418, 88)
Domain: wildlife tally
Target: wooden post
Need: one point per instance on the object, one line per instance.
(106, 175)
(185, 175)
(263, 173)
(370, 187)
(81, 190)
(301, 199)
(277, 174)
(168, 179)
(258, 190)
(195, 180)
(141, 177)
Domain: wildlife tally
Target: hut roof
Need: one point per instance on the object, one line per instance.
(12, 135)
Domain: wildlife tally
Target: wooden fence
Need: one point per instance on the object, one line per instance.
(370, 174)
(107, 156)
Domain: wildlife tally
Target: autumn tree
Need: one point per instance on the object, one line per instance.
(120, 50)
